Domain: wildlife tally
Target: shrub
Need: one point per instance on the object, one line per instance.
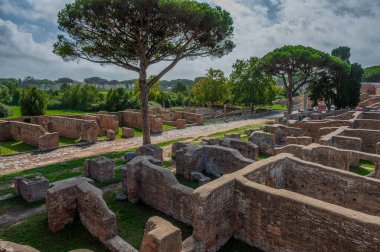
(5, 111)
(33, 102)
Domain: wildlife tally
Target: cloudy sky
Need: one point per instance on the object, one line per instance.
(28, 29)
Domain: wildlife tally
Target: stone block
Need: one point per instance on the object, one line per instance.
(180, 123)
(31, 188)
(111, 135)
(210, 141)
(179, 146)
(150, 150)
(161, 236)
(246, 149)
(128, 132)
(100, 169)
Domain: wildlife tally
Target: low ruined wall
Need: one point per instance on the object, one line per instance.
(371, 115)
(210, 159)
(132, 118)
(76, 197)
(5, 131)
(280, 132)
(345, 116)
(104, 121)
(28, 133)
(246, 149)
(189, 117)
(74, 128)
(372, 100)
(157, 187)
(265, 141)
(241, 205)
(311, 128)
(366, 124)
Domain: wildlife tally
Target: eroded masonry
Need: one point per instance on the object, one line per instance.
(305, 195)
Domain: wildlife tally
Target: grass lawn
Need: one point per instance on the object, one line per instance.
(236, 130)
(17, 112)
(168, 127)
(12, 147)
(365, 168)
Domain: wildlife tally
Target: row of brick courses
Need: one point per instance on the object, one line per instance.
(353, 139)
(143, 179)
(132, 118)
(28, 133)
(74, 128)
(255, 213)
(105, 122)
(210, 159)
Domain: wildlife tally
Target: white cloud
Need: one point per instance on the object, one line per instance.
(323, 24)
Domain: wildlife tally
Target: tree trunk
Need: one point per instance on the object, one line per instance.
(144, 93)
(290, 100)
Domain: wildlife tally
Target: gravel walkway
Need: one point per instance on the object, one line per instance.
(30, 160)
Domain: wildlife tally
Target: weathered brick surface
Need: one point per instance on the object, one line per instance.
(161, 236)
(150, 150)
(180, 123)
(31, 188)
(299, 140)
(179, 146)
(157, 187)
(210, 159)
(111, 135)
(248, 205)
(101, 169)
(246, 149)
(132, 118)
(76, 197)
(28, 133)
(128, 132)
(265, 141)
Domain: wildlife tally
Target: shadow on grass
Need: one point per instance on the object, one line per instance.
(13, 147)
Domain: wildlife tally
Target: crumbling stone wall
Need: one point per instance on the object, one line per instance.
(246, 149)
(353, 139)
(132, 118)
(74, 128)
(311, 128)
(31, 188)
(248, 206)
(76, 197)
(100, 169)
(104, 121)
(144, 180)
(280, 132)
(161, 236)
(210, 159)
(299, 140)
(265, 141)
(28, 133)
(5, 131)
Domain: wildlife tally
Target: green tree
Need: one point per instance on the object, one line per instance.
(33, 102)
(135, 34)
(342, 52)
(179, 87)
(296, 66)
(372, 74)
(250, 86)
(5, 111)
(212, 89)
(348, 92)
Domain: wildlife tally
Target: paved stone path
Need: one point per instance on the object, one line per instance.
(30, 160)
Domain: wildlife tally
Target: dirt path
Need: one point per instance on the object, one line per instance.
(30, 160)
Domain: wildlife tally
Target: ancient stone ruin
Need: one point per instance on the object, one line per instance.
(32, 188)
(100, 169)
(150, 150)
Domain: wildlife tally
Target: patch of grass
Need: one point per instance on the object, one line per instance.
(365, 167)
(64, 141)
(167, 164)
(131, 219)
(35, 232)
(120, 162)
(168, 127)
(263, 156)
(17, 112)
(236, 130)
(166, 143)
(278, 107)
(185, 182)
(13, 147)
(16, 204)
